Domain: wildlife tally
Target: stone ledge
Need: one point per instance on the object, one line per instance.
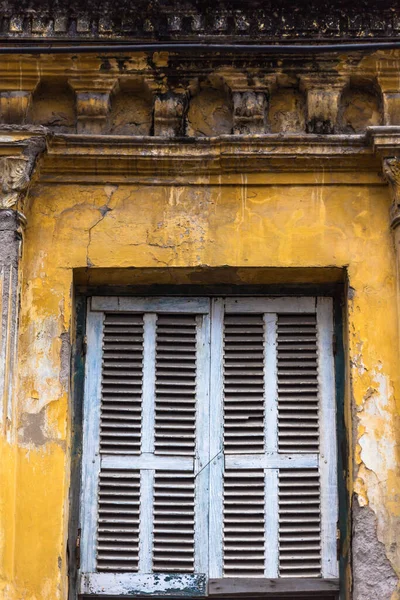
(82, 157)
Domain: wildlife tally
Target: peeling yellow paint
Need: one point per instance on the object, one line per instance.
(146, 233)
(154, 227)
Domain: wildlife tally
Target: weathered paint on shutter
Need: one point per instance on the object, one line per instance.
(243, 384)
(152, 485)
(120, 433)
(244, 406)
(237, 522)
(174, 522)
(262, 461)
(118, 521)
(175, 406)
(278, 386)
(298, 402)
(299, 523)
(122, 377)
(244, 523)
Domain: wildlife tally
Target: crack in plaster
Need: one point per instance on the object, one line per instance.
(104, 210)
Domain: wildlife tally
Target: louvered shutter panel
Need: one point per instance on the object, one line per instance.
(244, 418)
(273, 484)
(145, 510)
(209, 443)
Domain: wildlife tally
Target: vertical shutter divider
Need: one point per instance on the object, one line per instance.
(91, 436)
(216, 440)
(149, 382)
(146, 521)
(148, 435)
(271, 523)
(270, 384)
(201, 466)
(327, 427)
(271, 445)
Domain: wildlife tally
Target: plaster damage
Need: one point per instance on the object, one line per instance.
(373, 574)
(376, 514)
(210, 224)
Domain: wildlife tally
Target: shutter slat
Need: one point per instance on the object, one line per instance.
(173, 532)
(299, 523)
(175, 404)
(244, 523)
(120, 421)
(243, 383)
(298, 431)
(118, 521)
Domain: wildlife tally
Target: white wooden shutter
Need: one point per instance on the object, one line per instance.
(145, 480)
(273, 488)
(207, 465)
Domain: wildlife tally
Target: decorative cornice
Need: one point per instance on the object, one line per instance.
(222, 21)
(125, 158)
(80, 157)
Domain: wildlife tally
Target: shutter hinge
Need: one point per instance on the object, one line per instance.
(338, 544)
(84, 345)
(78, 549)
(334, 343)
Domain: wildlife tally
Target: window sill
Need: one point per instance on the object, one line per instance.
(249, 586)
(112, 585)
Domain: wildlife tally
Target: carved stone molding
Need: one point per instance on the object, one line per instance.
(249, 112)
(391, 172)
(218, 20)
(169, 112)
(15, 175)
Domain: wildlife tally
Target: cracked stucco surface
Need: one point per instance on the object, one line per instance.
(373, 574)
(248, 224)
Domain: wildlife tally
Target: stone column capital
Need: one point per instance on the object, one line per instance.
(391, 172)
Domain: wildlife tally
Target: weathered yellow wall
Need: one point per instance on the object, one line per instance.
(250, 224)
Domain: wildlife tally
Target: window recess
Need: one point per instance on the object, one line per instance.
(209, 450)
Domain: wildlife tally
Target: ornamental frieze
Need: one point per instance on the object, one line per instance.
(255, 20)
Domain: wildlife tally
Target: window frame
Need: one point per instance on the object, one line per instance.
(99, 304)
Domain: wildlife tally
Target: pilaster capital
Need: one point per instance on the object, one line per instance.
(16, 169)
(391, 172)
